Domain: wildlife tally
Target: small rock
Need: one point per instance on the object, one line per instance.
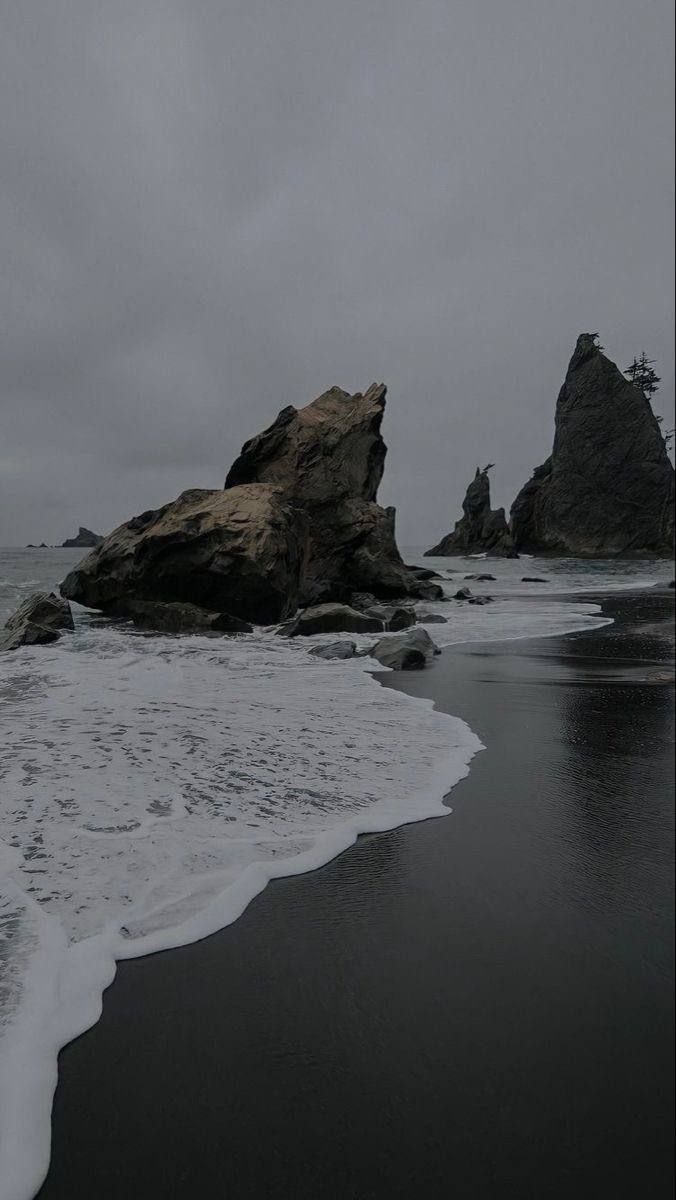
(330, 618)
(408, 651)
(462, 594)
(480, 600)
(532, 579)
(335, 650)
(393, 618)
(38, 620)
(425, 618)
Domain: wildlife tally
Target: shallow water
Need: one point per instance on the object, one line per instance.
(151, 786)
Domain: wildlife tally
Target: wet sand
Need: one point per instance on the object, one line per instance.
(477, 1006)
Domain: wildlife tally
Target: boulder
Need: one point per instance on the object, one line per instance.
(40, 619)
(335, 650)
(328, 460)
(428, 618)
(393, 618)
(462, 594)
(607, 490)
(362, 600)
(238, 552)
(330, 618)
(481, 529)
(84, 538)
(175, 617)
(405, 651)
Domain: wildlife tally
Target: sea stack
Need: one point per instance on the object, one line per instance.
(607, 489)
(481, 528)
(297, 523)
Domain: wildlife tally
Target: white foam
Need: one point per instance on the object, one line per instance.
(150, 788)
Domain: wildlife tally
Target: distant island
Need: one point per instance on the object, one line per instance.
(84, 538)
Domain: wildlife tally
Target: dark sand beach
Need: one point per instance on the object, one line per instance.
(478, 1006)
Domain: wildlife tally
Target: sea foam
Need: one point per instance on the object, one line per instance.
(150, 787)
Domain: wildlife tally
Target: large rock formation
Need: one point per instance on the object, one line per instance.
(84, 538)
(297, 523)
(481, 528)
(238, 552)
(328, 459)
(608, 487)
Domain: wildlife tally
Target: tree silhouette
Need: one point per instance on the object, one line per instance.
(642, 375)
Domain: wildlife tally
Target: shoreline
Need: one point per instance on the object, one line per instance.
(97, 1041)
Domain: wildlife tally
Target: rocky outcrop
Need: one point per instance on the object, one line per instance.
(328, 460)
(331, 618)
(607, 490)
(238, 552)
(297, 524)
(158, 616)
(481, 528)
(40, 618)
(84, 539)
(405, 651)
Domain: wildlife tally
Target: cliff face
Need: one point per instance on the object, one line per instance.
(481, 528)
(607, 489)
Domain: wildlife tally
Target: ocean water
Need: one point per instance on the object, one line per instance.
(150, 786)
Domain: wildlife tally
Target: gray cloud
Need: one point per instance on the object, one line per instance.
(209, 210)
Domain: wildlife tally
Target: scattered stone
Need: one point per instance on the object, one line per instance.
(532, 579)
(40, 619)
(330, 618)
(335, 650)
(482, 578)
(408, 651)
(427, 591)
(424, 572)
(480, 600)
(428, 618)
(462, 594)
(608, 487)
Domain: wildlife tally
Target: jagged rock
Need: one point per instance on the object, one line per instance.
(607, 489)
(39, 619)
(481, 528)
(330, 618)
(462, 594)
(84, 538)
(335, 650)
(238, 552)
(175, 617)
(392, 618)
(406, 651)
(328, 460)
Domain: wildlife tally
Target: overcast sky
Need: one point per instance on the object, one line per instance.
(210, 209)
